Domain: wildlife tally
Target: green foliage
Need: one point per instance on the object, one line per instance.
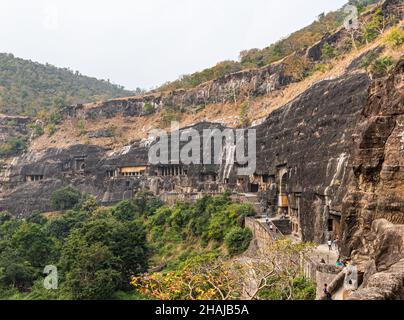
(98, 250)
(197, 228)
(33, 244)
(237, 240)
(25, 247)
(111, 131)
(328, 52)
(382, 66)
(13, 146)
(37, 129)
(55, 118)
(148, 108)
(102, 248)
(124, 211)
(369, 59)
(302, 289)
(81, 126)
(96, 254)
(51, 128)
(395, 38)
(170, 114)
(374, 26)
(28, 87)
(91, 274)
(146, 203)
(61, 227)
(65, 198)
(193, 80)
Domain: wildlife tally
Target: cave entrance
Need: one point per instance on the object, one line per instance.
(330, 225)
(172, 171)
(79, 164)
(133, 171)
(334, 225)
(254, 187)
(283, 201)
(34, 177)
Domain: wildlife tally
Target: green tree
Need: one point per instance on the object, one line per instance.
(395, 38)
(124, 211)
(91, 274)
(13, 146)
(328, 52)
(375, 26)
(237, 240)
(33, 244)
(146, 203)
(65, 198)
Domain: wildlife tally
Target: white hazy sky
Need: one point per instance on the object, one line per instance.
(143, 43)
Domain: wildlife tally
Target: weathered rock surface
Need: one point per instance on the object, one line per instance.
(11, 126)
(384, 270)
(376, 188)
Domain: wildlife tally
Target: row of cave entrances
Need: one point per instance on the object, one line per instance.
(77, 165)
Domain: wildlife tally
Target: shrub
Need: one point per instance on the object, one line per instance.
(238, 240)
(37, 129)
(328, 52)
(302, 289)
(170, 114)
(296, 67)
(13, 146)
(148, 108)
(81, 126)
(65, 198)
(246, 210)
(124, 211)
(394, 38)
(51, 129)
(368, 60)
(55, 118)
(111, 131)
(382, 66)
(374, 26)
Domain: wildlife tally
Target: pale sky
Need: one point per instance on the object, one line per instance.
(144, 43)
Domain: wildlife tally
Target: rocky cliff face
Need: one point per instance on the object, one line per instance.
(307, 144)
(302, 153)
(227, 89)
(11, 126)
(376, 188)
(384, 269)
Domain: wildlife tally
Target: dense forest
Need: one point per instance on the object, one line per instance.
(104, 252)
(27, 87)
(255, 58)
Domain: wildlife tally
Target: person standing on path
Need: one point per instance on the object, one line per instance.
(326, 292)
(329, 243)
(337, 244)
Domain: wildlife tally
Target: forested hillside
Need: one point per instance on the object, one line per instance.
(27, 87)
